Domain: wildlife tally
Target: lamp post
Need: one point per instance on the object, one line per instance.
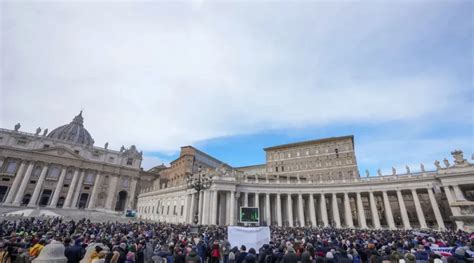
(198, 182)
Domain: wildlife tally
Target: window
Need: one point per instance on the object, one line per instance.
(89, 178)
(125, 182)
(129, 161)
(69, 174)
(11, 167)
(276, 169)
(174, 210)
(283, 168)
(76, 151)
(21, 142)
(54, 172)
(337, 153)
(32, 182)
(168, 210)
(37, 171)
(182, 210)
(6, 179)
(45, 146)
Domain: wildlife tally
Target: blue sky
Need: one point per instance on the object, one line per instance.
(234, 77)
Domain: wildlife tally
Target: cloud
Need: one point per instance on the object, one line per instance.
(162, 75)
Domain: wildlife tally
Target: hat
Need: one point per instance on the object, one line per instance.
(329, 255)
(459, 251)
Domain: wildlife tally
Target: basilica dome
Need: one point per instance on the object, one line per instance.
(73, 132)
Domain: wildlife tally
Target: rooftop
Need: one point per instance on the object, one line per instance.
(310, 142)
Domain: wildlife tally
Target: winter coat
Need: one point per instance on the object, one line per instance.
(290, 257)
(192, 257)
(251, 258)
(74, 253)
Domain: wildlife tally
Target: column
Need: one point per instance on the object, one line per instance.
(437, 213)
(246, 199)
(227, 207)
(388, 211)
(312, 211)
(133, 189)
(361, 212)
(290, 210)
(324, 212)
(94, 192)
(458, 193)
(375, 214)
(214, 207)
(300, 210)
(24, 183)
(279, 216)
(70, 192)
(16, 182)
(335, 211)
(113, 182)
(419, 211)
(403, 210)
(77, 192)
(267, 210)
(191, 209)
(185, 209)
(347, 211)
(201, 206)
(39, 185)
(59, 186)
(232, 208)
(205, 208)
(455, 210)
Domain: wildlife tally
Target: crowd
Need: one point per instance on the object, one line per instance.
(23, 240)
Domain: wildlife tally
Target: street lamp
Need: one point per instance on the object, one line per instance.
(198, 182)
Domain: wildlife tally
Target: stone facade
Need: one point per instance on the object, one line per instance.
(318, 186)
(63, 169)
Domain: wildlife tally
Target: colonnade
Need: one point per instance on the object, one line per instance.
(337, 209)
(24, 173)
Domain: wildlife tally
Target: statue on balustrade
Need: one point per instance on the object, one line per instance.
(459, 160)
(446, 163)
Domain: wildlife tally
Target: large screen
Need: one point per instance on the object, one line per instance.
(249, 215)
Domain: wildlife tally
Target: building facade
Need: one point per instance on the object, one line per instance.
(63, 169)
(314, 183)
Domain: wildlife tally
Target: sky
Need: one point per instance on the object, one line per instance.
(234, 77)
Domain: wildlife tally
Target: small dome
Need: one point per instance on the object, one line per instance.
(73, 132)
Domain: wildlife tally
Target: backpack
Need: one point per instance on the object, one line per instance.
(231, 256)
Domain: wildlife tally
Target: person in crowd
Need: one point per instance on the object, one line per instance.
(251, 256)
(23, 239)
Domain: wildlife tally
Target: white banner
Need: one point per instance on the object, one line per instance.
(251, 237)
